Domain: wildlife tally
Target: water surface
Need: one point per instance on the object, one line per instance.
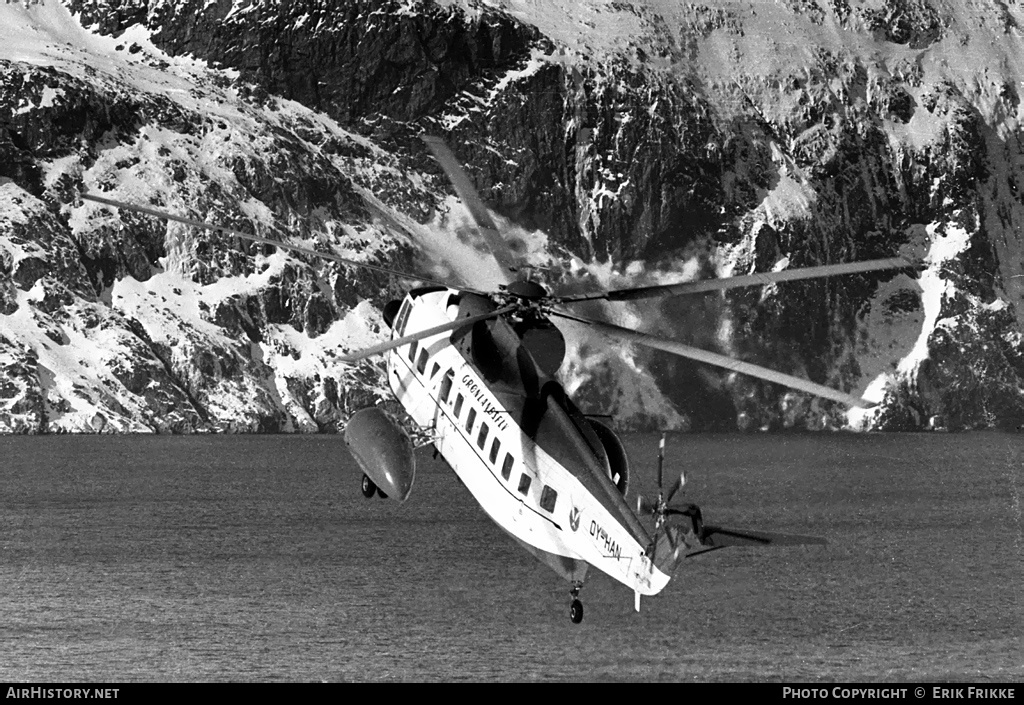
(257, 558)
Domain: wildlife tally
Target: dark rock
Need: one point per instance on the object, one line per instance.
(912, 22)
(612, 158)
(317, 316)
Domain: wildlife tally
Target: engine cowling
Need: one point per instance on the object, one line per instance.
(383, 450)
(618, 461)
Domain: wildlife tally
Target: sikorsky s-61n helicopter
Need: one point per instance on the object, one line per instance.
(476, 371)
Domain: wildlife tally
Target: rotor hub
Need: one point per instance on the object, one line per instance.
(526, 290)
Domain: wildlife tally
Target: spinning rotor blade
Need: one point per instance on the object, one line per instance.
(718, 537)
(255, 238)
(419, 335)
(474, 204)
(758, 278)
(717, 360)
(661, 462)
(676, 487)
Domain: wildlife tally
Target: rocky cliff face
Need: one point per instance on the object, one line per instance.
(623, 143)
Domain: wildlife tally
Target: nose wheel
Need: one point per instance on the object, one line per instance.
(576, 608)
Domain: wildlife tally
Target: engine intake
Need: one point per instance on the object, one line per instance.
(618, 461)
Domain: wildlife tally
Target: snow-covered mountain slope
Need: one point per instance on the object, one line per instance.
(115, 322)
(874, 123)
(620, 143)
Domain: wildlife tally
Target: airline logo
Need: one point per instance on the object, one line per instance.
(574, 518)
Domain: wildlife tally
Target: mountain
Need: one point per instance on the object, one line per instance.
(618, 143)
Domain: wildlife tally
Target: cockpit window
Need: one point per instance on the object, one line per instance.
(403, 316)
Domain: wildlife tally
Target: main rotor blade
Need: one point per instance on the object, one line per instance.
(710, 358)
(419, 335)
(474, 204)
(255, 238)
(718, 537)
(758, 278)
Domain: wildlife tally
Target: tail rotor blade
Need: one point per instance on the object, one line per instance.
(677, 486)
(644, 506)
(661, 463)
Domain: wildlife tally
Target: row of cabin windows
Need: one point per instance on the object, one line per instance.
(422, 360)
(548, 496)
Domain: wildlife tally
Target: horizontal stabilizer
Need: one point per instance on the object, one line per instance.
(718, 537)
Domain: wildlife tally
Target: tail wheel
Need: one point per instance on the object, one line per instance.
(576, 612)
(368, 487)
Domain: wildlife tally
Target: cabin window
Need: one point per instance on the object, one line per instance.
(470, 420)
(495, 447)
(506, 468)
(433, 372)
(422, 364)
(481, 440)
(413, 346)
(548, 498)
(446, 386)
(458, 405)
(403, 315)
(524, 483)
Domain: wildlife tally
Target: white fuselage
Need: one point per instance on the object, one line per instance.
(523, 489)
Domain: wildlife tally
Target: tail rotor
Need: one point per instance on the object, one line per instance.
(669, 541)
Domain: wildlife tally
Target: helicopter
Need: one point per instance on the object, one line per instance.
(475, 372)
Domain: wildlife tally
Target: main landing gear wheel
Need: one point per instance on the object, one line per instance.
(368, 487)
(576, 608)
(576, 611)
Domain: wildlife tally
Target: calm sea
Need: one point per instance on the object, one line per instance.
(213, 558)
